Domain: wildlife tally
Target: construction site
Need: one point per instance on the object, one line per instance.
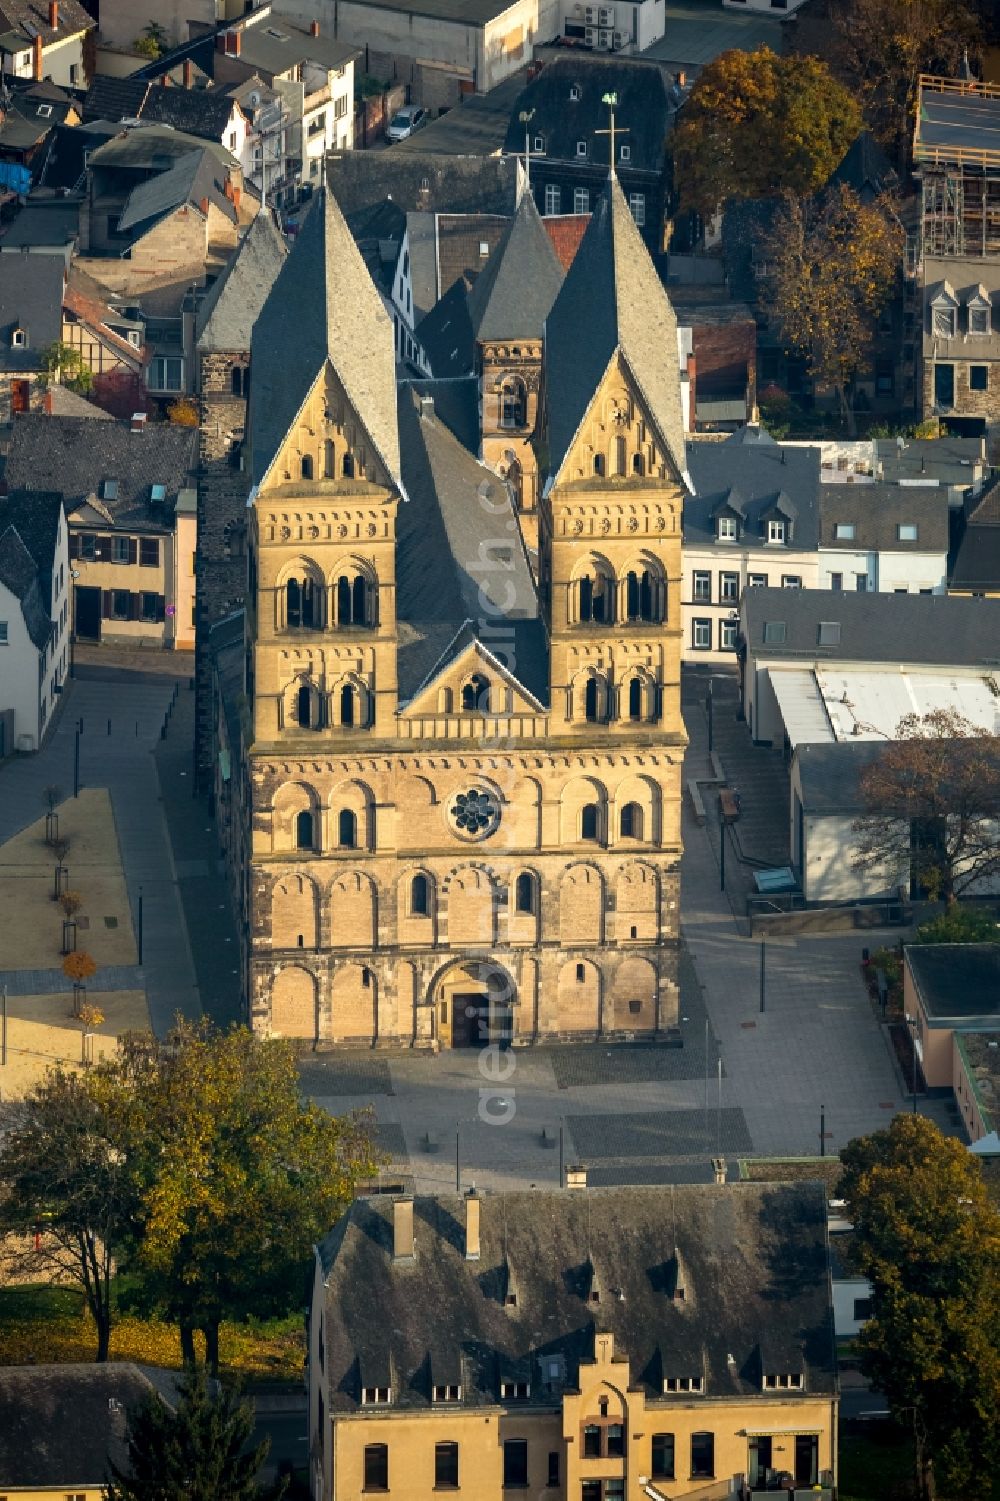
(956, 157)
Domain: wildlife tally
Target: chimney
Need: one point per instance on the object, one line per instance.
(138, 422)
(576, 1176)
(719, 1169)
(48, 402)
(314, 28)
(188, 73)
(427, 406)
(237, 195)
(36, 59)
(53, 15)
(203, 205)
(165, 80)
(472, 1225)
(231, 44)
(402, 1229)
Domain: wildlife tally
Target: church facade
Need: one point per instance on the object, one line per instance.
(461, 789)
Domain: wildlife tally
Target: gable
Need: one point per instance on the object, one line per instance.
(326, 432)
(466, 657)
(618, 426)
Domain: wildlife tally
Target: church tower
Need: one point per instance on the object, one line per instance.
(508, 306)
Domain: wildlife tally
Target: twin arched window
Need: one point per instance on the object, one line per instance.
(354, 605)
(476, 694)
(600, 599)
(513, 403)
(302, 604)
(641, 595)
(355, 601)
(595, 598)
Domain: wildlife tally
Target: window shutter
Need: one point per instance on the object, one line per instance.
(133, 550)
(106, 604)
(135, 607)
(160, 607)
(74, 544)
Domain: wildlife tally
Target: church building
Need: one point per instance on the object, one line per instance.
(460, 789)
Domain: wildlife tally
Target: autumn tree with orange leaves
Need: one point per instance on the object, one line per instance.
(832, 262)
(757, 124)
(932, 805)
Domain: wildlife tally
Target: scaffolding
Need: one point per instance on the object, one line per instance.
(959, 168)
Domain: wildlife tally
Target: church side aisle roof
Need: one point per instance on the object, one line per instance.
(513, 295)
(324, 305)
(612, 300)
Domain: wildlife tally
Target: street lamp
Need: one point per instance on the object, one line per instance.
(526, 116)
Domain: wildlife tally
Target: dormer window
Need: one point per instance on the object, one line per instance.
(785, 1382)
(726, 529)
(448, 1393)
(674, 1384)
(375, 1396)
(944, 319)
(109, 489)
(979, 312)
(19, 339)
(581, 148)
(539, 144)
(515, 1391)
(775, 530)
(574, 93)
(625, 154)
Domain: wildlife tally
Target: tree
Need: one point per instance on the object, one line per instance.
(151, 42)
(928, 1240)
(832, 264)
(183, 412)
(195, 1452)
(240, 1176)
(61, 364)
(757, 124)
(883, 47)
(63, 1165)
(932, 805)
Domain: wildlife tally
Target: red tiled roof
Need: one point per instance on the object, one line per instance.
(566, 231)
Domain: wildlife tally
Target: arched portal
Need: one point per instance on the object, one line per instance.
(474, 1005)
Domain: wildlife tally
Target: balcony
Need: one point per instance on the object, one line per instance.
(778, 1483)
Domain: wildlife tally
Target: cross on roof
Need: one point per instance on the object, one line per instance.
(611, 101)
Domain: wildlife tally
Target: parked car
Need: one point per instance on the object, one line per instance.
(405, 122)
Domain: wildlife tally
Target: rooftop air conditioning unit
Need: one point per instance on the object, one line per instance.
(590, 36)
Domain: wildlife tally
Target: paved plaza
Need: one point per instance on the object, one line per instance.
(745, 1081)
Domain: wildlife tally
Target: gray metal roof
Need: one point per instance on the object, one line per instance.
(643, 110)
(957, 981)
(514, 293)
(20, 574)
(323, 306)
(752, 1260)
(612, 301)
(937, 629)
(442, 184)
(461, 12)
(227, 315)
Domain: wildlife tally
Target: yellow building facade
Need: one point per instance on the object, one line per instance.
(462, 791)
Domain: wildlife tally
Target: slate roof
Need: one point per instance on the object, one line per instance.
(114, 98)
(446, 336)
(752, 1259)
(612, 292)
(227, 314)
(865, 169)
(465, 12)
(450, 520)
(829, 775)
(956, 981)
(454, 184)
(62, 402)
(460, 241)
(749, 471)
(937, 629)
(64, 155)
(643, 110)
(975, 563)
(514, 293)
(200, 112)
(323, 306)
(260, 48)
(456, 403)
(951, 460)
(192, 178)
(421, 242)
(58, 1430)
(74, 455)
(876, 511)
(31, 19)
(43, 221)
(148, 146)
(19, 572)
(31, 296)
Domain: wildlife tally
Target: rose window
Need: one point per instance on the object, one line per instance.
(474, 813)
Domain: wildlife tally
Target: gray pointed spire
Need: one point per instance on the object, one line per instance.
(323, 306)
(511, 298)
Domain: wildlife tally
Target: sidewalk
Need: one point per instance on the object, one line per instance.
(816, 1044)
(122, 761)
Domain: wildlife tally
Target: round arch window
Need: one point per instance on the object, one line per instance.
(474, 812)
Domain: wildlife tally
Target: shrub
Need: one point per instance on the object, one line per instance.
(960, 925)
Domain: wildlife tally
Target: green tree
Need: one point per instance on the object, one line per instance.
(832, 262)
(928, 1239)
(239, 1175)
(884, 45)
(194, 1452)
(64, 1171)
(756, 124)
(151, 42)
(932, 805)
(63, 365)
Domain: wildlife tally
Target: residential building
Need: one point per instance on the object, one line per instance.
(123, 21)
(31, 296)
(311, 71)
(624, 27)
(416, 628)
(34, 616)
(62, 1424)
(44, 39)
(569, 138)
(111, 344)
(222, 336)
(576, 1342)
(961, 342)
(129, 489)
(952, 993)
(879, 538)
(752, 522)
(29, 113)
(975, 561)
(207, 113)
